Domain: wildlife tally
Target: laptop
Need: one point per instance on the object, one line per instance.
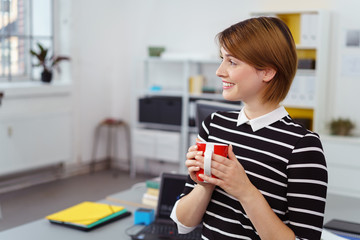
(171, 186)
(344, 228)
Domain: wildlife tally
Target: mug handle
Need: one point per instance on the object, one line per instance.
(209, 150)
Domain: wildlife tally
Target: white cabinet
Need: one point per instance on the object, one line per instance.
(168, 146)
(342, 157)
(144, 143)
(156, 144)
(309, 34)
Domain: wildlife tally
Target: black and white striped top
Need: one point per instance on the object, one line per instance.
(282, 159)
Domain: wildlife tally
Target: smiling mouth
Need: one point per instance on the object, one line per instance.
(227, 84)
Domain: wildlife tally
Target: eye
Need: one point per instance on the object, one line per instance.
(232, 62)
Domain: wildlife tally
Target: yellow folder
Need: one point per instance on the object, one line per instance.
(85, 213)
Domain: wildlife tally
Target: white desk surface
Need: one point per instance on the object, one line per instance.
(344, 208)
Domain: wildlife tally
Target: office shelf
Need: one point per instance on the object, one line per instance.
(169, 77)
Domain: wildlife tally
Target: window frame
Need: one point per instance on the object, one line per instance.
(29, 38)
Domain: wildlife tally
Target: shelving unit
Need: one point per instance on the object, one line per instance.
(170, 78)
(307, 97)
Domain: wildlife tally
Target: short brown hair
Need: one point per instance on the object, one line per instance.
(264, 42)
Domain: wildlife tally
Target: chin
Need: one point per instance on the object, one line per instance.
(228, 97)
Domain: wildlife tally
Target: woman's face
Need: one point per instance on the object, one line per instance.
(241, 82)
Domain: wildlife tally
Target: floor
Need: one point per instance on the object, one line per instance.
(32, 203)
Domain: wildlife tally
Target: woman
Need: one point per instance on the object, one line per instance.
(273, 183)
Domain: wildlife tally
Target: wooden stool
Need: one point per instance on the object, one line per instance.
(1, 96)
(111, 124)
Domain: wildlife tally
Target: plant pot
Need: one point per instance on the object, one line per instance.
(46, 76)
(342, 131)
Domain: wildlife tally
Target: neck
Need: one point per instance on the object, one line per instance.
(257, 110)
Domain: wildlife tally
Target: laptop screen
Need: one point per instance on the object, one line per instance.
(172, 185)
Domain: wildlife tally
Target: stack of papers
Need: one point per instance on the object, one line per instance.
(88, 215)
(151, 196)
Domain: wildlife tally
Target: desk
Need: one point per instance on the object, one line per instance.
(337, 206)
(43, 230)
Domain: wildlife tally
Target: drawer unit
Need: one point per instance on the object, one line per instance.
(161, 145)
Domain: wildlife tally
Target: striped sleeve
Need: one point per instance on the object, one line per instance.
(307, 187)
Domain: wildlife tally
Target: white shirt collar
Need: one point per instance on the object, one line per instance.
(262, 121)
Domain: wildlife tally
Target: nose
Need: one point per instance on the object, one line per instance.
(220, 72)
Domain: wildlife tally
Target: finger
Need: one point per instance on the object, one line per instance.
(231, 154)
(200, 159)
(218, 167)
(190, 155)
(193, 154)
(218, 159)
(191, 163)
(193, 148)
(210, 180)
(219, 172)
(224, 160)
(193, 169)
(193, 177)
(197, 162)
(198, 140)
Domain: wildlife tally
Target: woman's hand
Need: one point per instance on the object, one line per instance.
(230, 175)
(195, 162)
(191, 163)
(191, 208)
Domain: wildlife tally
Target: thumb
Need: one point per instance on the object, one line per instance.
(231, 154)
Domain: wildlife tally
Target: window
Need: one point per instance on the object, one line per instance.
(23, 23)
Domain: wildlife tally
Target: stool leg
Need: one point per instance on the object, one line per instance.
(127, 138)
(128, 144)
(109, 147)
(94, 150)
(115, 149)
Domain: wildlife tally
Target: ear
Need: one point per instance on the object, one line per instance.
(269, 74)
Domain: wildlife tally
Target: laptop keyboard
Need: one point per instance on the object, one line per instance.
(171, 231)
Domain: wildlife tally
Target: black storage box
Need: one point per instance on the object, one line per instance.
(163, 110)
(306, 63)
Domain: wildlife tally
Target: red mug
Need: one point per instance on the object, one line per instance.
(208, 148)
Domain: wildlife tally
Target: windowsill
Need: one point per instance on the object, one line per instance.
(35, 89)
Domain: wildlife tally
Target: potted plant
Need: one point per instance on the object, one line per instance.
(48, 63)
(341, 126)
